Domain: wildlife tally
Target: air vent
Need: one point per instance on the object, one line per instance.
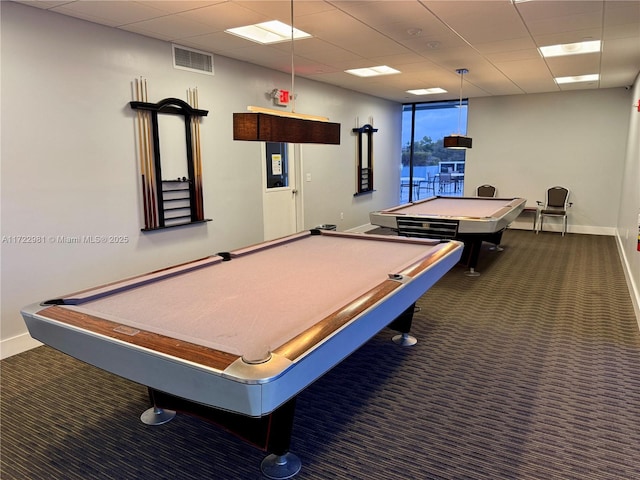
(193, 60)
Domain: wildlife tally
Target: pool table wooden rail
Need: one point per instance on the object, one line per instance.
(189, 352)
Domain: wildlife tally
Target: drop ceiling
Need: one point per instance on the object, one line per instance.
(426, 40)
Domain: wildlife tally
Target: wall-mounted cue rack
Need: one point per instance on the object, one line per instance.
(364, 162)
(169, 202)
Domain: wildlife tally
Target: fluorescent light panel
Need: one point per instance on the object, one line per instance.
(570, 49)
(427, 91)
(373, 71)
(594, 77)
(268, 32)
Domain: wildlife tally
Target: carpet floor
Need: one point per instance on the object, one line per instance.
(530, 371)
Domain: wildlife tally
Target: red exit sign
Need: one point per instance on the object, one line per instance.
(281, 97)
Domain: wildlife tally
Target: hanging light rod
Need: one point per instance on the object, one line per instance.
(458, 141)
(267, 125)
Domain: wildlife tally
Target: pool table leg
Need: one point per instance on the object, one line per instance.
(470, 254)
(271, 433)
(402, 324)
(281, 463)
(496, 239)
(473, 246)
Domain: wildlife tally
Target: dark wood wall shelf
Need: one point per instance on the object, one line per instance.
(156, 229)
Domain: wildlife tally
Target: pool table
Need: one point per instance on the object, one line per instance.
(472, 220)
(236, 336)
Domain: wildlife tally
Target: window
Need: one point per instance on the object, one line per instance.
(424, 158)
(277, 165)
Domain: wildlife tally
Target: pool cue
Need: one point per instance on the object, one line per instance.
(147, 220)
(198, 163)
(151, 184)
(190, 100)
(195, 142)
(145, 135)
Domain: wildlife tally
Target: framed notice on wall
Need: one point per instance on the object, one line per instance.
(276, 164)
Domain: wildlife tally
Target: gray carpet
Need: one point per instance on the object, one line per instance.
(530, 371)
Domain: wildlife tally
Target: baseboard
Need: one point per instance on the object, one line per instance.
(582, 229)
(590, 230)
(13, 346)
(634, 290)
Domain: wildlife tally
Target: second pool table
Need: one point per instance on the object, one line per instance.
(469, 219)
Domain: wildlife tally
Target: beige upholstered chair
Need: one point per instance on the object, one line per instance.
(555, 206)
(486, 191)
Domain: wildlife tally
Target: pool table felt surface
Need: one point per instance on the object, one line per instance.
(257, 302)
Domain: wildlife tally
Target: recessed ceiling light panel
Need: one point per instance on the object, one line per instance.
(373, 71)
(570, 49)
(268, 32)
(427, 91)
(594, 77)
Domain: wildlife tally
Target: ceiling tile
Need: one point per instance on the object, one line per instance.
(222, 16)
(172, 27)
(426, 39)
(109, 13)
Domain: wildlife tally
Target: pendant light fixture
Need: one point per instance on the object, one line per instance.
(267, 125)
(458, 141)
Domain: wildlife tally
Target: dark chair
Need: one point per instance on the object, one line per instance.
(428, 184)
(486, 191)
(414, 187)
(445, 182)
(555, 206)
(404, 184)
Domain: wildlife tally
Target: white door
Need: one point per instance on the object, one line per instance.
(280, 198)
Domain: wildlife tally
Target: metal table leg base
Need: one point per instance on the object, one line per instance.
(281, 466)
(472, 273)
(405, 340)
(157, 416)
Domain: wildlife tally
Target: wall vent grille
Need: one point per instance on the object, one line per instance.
(193, 60)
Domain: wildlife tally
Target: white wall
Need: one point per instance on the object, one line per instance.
(70, 167)
(628, 231)
(334, 171)
(586, 140)
(524, 144)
